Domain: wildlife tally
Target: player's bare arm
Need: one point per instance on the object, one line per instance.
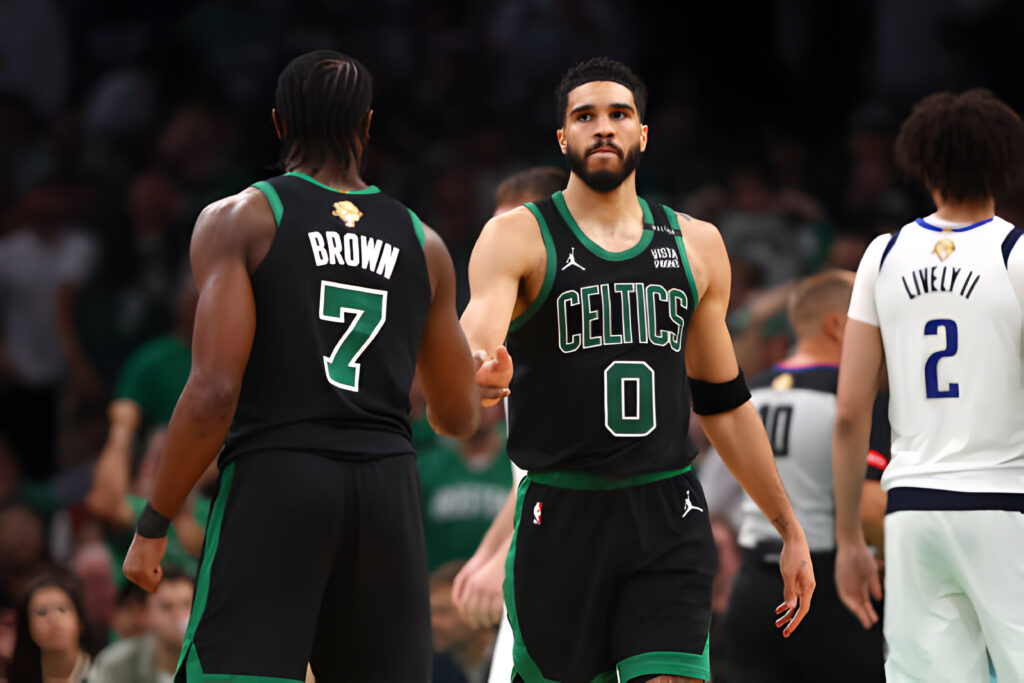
(859, 370)
(231, 238)
(506, 272)
(445, 364)
(738, 434)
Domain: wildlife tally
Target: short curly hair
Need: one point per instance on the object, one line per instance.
(600, 69)
(966, 146)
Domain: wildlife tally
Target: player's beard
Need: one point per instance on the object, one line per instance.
(604, 180)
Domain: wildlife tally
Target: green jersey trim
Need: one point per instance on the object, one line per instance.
(417, 225)
(522, 662)
(275, 202)
(213, 526)
(674, 221)
(667, 664)
(549, 273)
(592, 246)
(372, 189)
(584, 481)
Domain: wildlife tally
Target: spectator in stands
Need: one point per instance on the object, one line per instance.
(22, 547)
(131, 618)
(91, 564)
(50, 643)
(464, 485)
(152, 657)
(462, 654)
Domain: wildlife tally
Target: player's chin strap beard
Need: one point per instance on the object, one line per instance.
(603, 181)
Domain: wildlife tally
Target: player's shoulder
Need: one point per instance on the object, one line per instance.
(248, 207)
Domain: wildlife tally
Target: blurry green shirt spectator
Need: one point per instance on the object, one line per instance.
(153, 376)
(461, 495)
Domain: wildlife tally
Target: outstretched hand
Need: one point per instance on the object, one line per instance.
(493, 375)
(798, 585)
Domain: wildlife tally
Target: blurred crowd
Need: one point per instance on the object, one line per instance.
(119, 121)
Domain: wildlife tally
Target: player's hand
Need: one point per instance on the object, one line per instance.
(857, 581)
(142, 564)
(478, 595)
(798, 585)
(493, 375)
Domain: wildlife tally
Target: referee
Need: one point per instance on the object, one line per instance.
(797, 401)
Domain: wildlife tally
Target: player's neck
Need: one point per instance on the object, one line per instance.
(609, 212)
(812, 352)
(964, 212)
(332, 175)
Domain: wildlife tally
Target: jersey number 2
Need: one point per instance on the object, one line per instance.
(629, 398)
(370, 307)
(931, 367)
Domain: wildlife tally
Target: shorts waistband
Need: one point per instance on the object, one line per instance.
(585, 481)
(911, 498)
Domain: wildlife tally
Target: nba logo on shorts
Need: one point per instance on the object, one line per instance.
(536, 513)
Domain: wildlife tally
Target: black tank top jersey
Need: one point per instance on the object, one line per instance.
(600, 380)
(341, 300)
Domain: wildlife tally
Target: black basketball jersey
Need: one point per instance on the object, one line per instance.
(600, 380)
(341, 300)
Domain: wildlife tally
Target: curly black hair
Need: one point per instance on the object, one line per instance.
(965, 147)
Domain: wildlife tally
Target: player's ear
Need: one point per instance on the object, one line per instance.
(643, 138)
(834, 325)
(560, 134)
(279, 126)
(366, 128)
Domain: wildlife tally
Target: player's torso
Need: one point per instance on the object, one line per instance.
(341, 300)
(951, 327)
(798, 407)
(600, 380)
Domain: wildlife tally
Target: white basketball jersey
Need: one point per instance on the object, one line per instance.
(947, 299)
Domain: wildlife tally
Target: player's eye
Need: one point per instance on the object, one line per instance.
(583, 118)
(619, 115)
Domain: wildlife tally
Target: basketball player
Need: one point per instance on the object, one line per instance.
(610, 570)
(939, 302)
(319, 296)
(796, 400)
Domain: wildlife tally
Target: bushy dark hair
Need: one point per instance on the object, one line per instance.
(966, 146)
(600, 69)
(26, 663)
(322, 100)
(531, 184)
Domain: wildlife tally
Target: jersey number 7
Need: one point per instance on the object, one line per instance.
(370, 307)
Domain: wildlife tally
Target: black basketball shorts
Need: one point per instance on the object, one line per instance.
(830, 644)
(610, 575)
(312, 559)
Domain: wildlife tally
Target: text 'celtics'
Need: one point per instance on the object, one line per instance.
(621, 313)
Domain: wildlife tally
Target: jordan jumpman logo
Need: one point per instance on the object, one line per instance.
(690, 506)
(571, 261)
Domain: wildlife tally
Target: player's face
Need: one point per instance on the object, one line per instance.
(602, 136)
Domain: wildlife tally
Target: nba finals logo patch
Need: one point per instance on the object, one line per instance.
(943, 248)
(348, 212)
(783, 382)
(536, 513)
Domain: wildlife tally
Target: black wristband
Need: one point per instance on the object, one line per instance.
(152, 524)
(711, 398)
